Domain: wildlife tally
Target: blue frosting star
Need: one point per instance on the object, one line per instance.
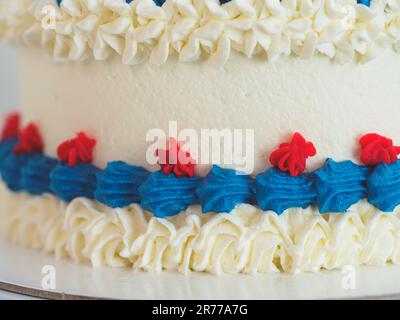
(35, 176)
(223, 189)
(340, 185)
(278, 191)
(73, 182)
(167, 195)
(118, 185)
(384, 186)
(157, 2)
(365, 2)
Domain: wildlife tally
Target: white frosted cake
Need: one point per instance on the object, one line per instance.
(192, 135)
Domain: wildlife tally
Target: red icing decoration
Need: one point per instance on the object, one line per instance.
(30, 140)
(175, 160)
(291, 157)
(11, 126)
(79, 149)
(376, 149)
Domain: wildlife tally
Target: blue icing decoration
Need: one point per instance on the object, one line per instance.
(364, 2)
(384, 186)
(167, 195)
(11, 168)
(340, 185)
(278, 191)
(161, 2)
(6, 147)
(157, 2)
(72, 182)
(118, 184)
(223, 189)
(35, 176)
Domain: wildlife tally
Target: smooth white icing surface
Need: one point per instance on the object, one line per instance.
(339, 29)
(245, 241)
(331, 105)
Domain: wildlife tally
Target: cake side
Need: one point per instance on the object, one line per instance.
(330, 104)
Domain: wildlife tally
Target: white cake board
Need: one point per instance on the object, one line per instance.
(21, 272)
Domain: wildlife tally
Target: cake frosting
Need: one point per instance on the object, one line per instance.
(247, 240)
(330, 103)
(298, 93)
(116, 70)
(339, 29)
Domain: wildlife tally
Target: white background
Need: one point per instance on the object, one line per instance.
(9, 94)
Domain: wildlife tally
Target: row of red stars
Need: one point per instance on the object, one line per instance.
(289, 157)
(74, 151)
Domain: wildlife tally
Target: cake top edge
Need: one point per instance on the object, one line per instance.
(140, 30)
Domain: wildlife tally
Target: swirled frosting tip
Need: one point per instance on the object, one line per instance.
(11, 126)
(30, 140)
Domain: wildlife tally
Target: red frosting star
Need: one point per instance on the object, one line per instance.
(11, 126)
(30, 140)
(376, 149)
(291, 157)
(79, 149)
(175, 160)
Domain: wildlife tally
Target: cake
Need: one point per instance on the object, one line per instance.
(246, 136)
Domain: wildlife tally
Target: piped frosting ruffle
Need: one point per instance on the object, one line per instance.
(118, 185)
(69, 183)
(247, 240)
(35, 176)
(167, 195)
(278, 191)
(142, 30)
(222, 189)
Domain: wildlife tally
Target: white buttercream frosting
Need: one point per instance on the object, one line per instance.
(339, 29)
(245, 241)
(329, 104)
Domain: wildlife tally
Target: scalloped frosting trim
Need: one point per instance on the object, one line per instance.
(246, 241)
(342, 30)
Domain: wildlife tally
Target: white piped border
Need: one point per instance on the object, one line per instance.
(342, 30)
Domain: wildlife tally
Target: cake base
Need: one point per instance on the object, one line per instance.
(82, 281)
(246, 240)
